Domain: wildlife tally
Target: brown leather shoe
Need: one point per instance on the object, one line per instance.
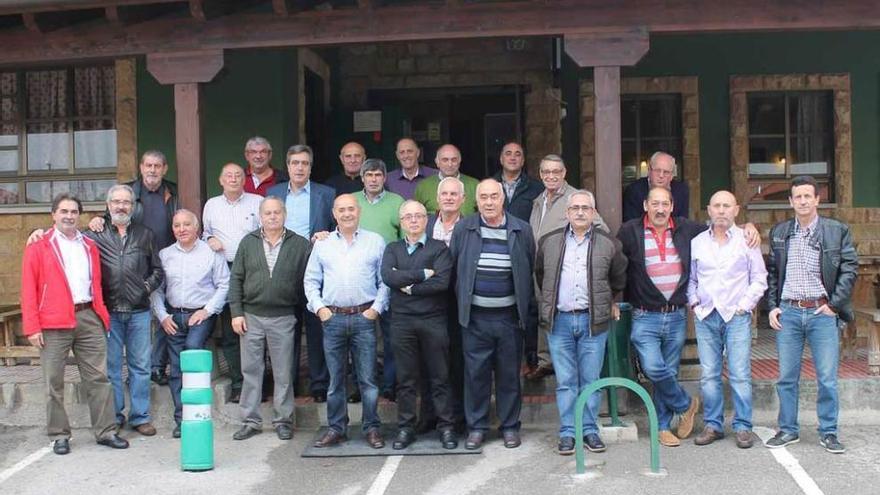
(374, 439)
(145, 429)
(708, 436)
(686, 424)
(668, 439)
(331, 437)
(539, 373)
(744, 439)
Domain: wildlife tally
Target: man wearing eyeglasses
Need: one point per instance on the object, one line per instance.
(661, 172)
(417, 270)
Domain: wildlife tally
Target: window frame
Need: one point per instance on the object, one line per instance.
(638, 98)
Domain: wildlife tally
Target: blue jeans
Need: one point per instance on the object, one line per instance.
(159, 353)
(340, 332)
(821, 331)
(186, 338)
(658, 339)
(577, 360)
(714, 337)
(130, 332)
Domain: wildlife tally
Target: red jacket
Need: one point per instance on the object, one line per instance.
(46, 300)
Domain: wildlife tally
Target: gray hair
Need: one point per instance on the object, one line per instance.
(581, 192)
(299, 148)
(120, 187)
(373, 164)
(184, 211)
(411, 202)
(658, 154)
(155, 154)
(273, 198)
(257, 140)
(552, 157)
(451, 179)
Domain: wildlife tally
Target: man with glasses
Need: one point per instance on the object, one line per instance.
(661, 172)
(260, 174)
(417, 270)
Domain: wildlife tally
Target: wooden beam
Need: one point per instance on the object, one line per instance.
(437, 21)
(190, 145)
(609, 193)
(185, 67)
(21, 6)
(123, 16)
(621, 48)
(30, 22)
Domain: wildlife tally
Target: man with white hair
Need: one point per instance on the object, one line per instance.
(661, 172)
(260, 175)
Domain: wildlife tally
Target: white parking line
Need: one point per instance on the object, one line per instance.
(383, 479)
(790, 463)
(27, 461)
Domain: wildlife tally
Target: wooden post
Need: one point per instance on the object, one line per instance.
(609, 193)
(187, 71)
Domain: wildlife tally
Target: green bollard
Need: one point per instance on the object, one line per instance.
(197, 427)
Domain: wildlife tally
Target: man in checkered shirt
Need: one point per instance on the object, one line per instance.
(811, 273)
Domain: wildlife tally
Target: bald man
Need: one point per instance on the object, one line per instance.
(662, 170)
(495, 254)
(448, 161)
(727, 280)
(404, 180)
(352, 156)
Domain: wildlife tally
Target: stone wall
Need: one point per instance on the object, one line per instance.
(462, 63)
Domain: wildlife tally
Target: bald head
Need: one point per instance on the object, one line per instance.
(347, 213)
(352, 156)
(448, 160)
(490, 201)
(407, 153)
(722, 210)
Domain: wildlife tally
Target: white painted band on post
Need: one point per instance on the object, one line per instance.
(192, 412)
(197, 380)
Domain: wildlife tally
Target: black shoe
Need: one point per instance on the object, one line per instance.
(284, 432)
(782, 439)
(176, 432)
(61, 446)
(594, 443)
(831, 444)
(427, 426)
(511, 439)
(389, 395)
(159, 377)
(403, 439)
(354, 397)
(565, 446)
(474, 440)
(246, 432)
(449, 439)
(320, 397)
(114, 441)
(235, 395)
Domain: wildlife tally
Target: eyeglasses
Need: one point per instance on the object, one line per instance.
(576, 208)
(552, 172)
(409, 217)
(120, 202)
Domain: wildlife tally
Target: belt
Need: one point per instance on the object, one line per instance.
(82, 306)
(350, 310)
(807, 303)
(668, 308)
(172, 309)
(584, 311)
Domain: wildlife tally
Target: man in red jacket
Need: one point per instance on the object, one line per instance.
(62, 309)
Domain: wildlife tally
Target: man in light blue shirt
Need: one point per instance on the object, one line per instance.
(344, 289)
(194, 292)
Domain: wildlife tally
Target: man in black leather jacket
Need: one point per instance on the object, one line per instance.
(131, 270)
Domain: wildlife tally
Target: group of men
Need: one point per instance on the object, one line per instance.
(461, 278)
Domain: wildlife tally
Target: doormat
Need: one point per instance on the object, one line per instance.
(356, 445)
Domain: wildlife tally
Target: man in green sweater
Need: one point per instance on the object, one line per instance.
(448, 161)
(264, 290)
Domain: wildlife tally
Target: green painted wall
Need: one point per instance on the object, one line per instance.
(254, 94)
(714, 58)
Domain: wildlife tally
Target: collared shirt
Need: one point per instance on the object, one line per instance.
(230, 221)
(574, 279)
(412, 246)
(726, 278)
(298, 205)
(510, 187)
(440, 233)
(345, 274)
(406, 187)
(77, 265)
(803, 272)
(375, 199)
(253, 185)
(156, 216)
(271, 250)
(194, 279)
(661, 258)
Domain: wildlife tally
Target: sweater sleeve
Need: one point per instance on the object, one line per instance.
(442, 275)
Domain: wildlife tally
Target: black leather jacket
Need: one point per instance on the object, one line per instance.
(130, 267)
(838, 259)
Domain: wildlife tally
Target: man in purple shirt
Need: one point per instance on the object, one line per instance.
(727, 279)
(404, 180)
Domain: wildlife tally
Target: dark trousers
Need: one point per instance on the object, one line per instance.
(187, 338)
(421, 342)
(319, 378)
(427, 414)
(230, 343)
(492, 343)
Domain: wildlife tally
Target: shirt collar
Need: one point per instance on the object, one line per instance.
(571, 232)
(503, 222)
(305, 189)
(373, 201)
(728, 233)
(809, 228)
(650, 226)
(180, 247)
(76, 238)
(417, 174)
(422, 240)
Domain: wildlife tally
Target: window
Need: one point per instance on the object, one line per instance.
(649, 123)
(790, 133)
(57, 133)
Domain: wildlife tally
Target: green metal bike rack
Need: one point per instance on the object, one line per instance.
(579, 419)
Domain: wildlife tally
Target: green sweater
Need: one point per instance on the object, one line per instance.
(426, 194)
(382, 217)
(252, 290)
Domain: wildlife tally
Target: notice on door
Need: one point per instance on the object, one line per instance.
(370, 121)
(434, 132)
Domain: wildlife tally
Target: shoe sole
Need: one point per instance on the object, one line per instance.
(597, 451)
(565, 452)
(796, 440)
